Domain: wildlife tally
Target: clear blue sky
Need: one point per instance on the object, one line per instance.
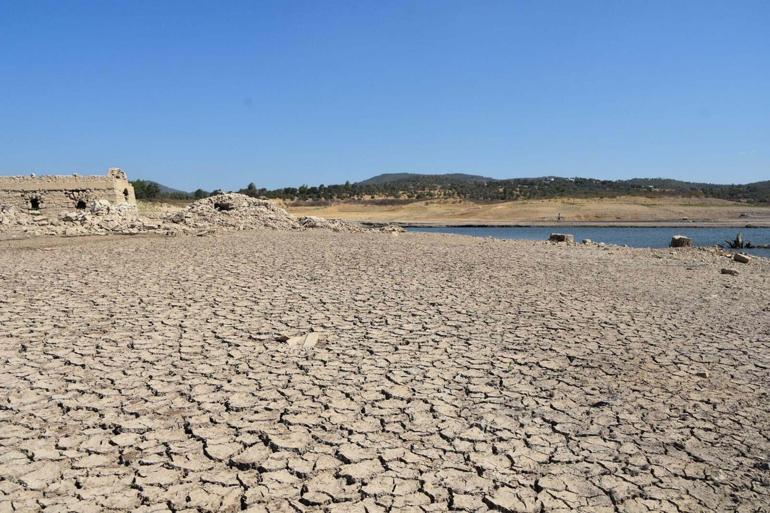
(219, 94)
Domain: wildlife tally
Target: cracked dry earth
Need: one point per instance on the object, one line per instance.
(450, 373)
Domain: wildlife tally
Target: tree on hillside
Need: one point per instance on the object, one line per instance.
(250, 190)
(145, 189)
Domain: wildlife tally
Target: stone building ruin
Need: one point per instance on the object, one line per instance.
(57, 193)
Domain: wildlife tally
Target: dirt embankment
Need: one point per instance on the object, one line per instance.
(624, 210)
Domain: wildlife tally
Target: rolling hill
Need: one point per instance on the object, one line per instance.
(414, 186)
(440, 179)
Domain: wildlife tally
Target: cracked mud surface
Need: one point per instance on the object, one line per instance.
(450, 373)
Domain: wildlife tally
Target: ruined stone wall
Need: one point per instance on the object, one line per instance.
(58, 193)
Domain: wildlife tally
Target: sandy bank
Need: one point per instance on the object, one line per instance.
(626, 211)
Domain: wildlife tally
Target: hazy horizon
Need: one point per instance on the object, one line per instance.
(191, 95)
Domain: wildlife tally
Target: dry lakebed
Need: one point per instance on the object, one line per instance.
(270, 371)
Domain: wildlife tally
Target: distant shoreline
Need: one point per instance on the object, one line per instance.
(614, 212)
(598, 224)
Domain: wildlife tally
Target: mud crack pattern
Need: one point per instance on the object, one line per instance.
(152, 374)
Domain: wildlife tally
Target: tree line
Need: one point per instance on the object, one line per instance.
(422, 187)
(417, 189)
(149, 190)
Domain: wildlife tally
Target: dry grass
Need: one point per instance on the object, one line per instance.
(605, 210)
(152, 208)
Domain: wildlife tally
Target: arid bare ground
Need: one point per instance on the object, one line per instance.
(149, 374)
(625, 210)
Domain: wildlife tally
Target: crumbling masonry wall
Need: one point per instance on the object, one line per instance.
(51, 194)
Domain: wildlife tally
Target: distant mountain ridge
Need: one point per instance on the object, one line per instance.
(401, 187)
(416, 186)
(150, 189)
(164, 189)
(457, 178)
(438, 179)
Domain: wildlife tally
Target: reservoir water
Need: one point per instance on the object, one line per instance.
(637, 237)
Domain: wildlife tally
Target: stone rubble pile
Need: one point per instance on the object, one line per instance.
(11, 216)
(235, 212)
(335, 225)
(100, 218)
(222, 212)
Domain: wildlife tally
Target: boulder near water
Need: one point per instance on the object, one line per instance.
(561, 237)
(681, 241)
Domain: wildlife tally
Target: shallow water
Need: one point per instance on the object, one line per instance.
(637, 237)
